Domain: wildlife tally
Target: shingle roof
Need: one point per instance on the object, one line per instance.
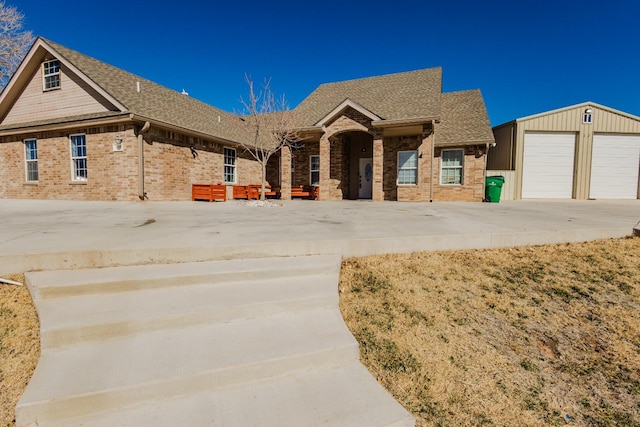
(405, 95)
(154, 101)
(463, 119)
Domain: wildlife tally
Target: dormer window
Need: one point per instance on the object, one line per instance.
(587, 117)
(51, 75)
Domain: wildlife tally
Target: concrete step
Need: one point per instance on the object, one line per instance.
(93, 317)
(241, 342)
(310, 398)
(94, 377)
(65, 283)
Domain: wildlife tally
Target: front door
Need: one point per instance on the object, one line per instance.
(365, 177)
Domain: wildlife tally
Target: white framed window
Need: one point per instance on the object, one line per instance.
(451, 167)
(229, 165)
(31, 159)
(587, 116)
(407, 167)
(314, 170)
(78, 157)
(51, 75)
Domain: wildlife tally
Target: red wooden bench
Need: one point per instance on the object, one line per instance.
(208, 192)
(253, 191)
(305, 191)
(240, 192)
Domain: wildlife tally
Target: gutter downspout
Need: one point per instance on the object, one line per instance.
(141, 193)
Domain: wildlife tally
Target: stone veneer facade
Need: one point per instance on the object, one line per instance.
(337, 175)
(170, 168)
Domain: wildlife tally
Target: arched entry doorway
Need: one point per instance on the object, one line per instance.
(357, 165)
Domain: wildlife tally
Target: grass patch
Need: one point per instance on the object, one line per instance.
(19, 345)
(528, 336)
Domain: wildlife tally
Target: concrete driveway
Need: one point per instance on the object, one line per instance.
(37, 234)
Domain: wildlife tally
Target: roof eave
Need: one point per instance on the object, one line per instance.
(459, 143)
(142, 119)
(404, 122)
(65, 124)
(571, 107)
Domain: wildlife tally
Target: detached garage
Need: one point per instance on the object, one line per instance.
(585, 151)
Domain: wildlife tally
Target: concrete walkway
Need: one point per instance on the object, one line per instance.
(244, 342)
(162, 314)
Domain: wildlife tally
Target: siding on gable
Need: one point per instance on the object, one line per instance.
(74, 97)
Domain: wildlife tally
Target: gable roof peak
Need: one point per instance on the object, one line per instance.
(153, 102)
(402, 95)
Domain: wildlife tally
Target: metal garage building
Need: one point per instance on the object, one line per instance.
(584, 151)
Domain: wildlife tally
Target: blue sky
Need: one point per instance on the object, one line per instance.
(526, 57)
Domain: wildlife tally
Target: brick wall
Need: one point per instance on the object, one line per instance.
(301, 174)
(170, 168)
(405, 193)
(111, 175)
(472, 188)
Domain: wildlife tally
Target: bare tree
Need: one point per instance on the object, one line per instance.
(272, 124)
(14, 42)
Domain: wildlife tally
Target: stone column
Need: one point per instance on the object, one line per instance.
(285, 173)
(325, 167)
(378, 167)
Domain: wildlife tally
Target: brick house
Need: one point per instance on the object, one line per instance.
(73, 127)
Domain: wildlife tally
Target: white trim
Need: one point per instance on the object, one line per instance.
(74, 174)
(411, 168)
(347, 103)
(571, 107)
(58, 73)
(45, 75)
(234, 166)
(27, 160)
(311, 171)
(461, 167)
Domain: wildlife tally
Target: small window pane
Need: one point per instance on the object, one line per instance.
(452, 158)
(407, 159)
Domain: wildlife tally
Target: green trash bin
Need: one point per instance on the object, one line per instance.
(493, 188)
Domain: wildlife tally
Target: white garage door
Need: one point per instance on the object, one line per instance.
(547, 170)
(614, 167)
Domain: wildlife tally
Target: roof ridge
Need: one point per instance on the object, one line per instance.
(396, 74)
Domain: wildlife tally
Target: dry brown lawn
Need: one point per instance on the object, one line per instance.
(528, 336)
(19, 345)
